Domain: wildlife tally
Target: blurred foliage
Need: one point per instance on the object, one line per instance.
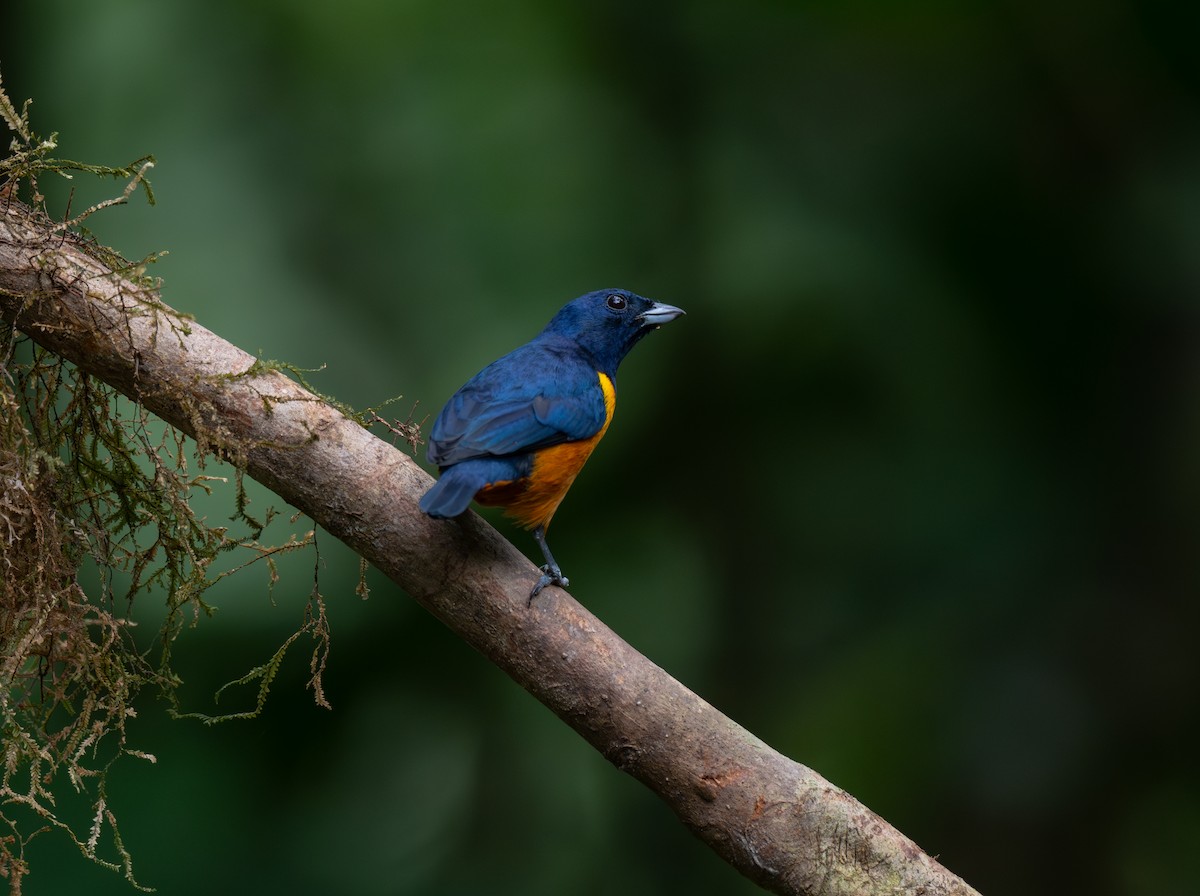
(912, 492)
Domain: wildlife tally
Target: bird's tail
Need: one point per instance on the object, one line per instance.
(450, 495)
(460, 483)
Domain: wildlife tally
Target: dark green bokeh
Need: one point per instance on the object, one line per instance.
(912, 492)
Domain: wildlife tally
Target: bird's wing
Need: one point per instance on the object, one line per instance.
(534, 397)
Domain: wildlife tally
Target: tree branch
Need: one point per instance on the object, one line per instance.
(776, 821)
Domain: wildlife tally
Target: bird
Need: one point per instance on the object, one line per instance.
(518, 432)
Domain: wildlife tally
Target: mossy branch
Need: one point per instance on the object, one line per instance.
(778, 822)
(91, 479)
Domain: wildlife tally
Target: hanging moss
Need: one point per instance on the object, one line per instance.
(89, 480)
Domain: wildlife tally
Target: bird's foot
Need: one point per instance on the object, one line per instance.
(551, 575)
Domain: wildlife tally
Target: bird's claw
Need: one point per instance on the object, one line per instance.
(551, 575)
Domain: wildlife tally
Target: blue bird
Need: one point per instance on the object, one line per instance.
(518, 433)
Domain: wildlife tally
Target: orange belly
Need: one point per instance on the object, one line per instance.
(533, 500)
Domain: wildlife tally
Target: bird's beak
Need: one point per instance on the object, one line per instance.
(659, 314)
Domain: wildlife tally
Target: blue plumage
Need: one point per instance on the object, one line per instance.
(518, 432)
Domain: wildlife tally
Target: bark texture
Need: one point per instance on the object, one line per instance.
(776, 821)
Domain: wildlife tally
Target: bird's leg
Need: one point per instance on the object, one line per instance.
(551, 574)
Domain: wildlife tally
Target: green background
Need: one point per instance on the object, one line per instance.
(913, 492)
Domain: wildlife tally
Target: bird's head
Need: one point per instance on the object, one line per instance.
(609, 322)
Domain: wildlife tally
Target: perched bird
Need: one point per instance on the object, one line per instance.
(518, 433)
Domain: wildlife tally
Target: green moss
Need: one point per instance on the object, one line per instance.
(89, 480)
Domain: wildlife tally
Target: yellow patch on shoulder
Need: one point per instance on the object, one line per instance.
(555, 468)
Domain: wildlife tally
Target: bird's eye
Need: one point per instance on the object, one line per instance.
(617, 303)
